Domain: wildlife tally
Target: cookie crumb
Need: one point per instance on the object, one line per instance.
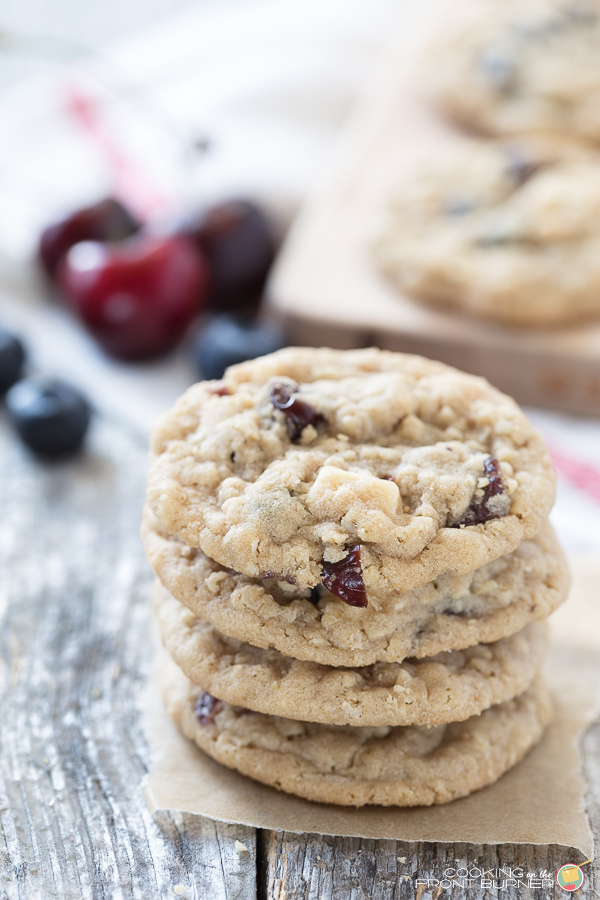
(178, 889)
(402, 859)
(240, 848)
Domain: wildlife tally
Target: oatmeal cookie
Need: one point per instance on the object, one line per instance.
(363, 470)
(507, 231)
(520, 65)
(354, 766)
(450, 613)
(448, 687)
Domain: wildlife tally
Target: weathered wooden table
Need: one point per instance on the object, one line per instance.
(76, 650)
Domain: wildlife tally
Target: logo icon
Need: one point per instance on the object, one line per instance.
(570, 877)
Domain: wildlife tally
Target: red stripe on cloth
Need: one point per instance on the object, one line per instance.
(131, 185)
(579, 474)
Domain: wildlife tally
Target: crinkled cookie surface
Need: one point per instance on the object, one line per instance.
(507, 231)
(520, 65)
(449, 687)
(452, 612)
(365, 470)
(354, 766)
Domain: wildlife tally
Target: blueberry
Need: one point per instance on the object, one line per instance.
(50, 416)
(12, 357)
(229, 339)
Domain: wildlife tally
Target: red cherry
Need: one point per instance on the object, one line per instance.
(238, 241)
(108, 220)
(137, 297)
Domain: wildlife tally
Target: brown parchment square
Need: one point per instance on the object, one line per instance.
(541, 801)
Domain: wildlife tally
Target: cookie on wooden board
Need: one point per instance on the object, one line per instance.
(507, 231)
(519, 65)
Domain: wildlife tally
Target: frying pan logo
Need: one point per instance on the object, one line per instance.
(570, 877)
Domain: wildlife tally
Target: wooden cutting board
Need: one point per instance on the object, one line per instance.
(327, 290)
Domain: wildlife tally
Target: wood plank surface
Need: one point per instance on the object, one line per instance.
(76, 650)
(327, 289)
(325, 868)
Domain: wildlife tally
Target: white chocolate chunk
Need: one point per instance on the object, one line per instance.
(336, 491)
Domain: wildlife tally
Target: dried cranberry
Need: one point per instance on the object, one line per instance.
(499, 69)
(289, 579)
(206, 707)
(344, 579)
(459, 205)
(298, 412)
(481, 509)
(520, 166)
(222, 391)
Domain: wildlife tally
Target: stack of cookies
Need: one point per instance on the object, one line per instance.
(353, 566)
(506, 229)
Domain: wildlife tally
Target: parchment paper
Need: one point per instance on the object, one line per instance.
(541, 801)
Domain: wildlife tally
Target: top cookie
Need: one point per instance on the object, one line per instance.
(522, 65)
(355, 469)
